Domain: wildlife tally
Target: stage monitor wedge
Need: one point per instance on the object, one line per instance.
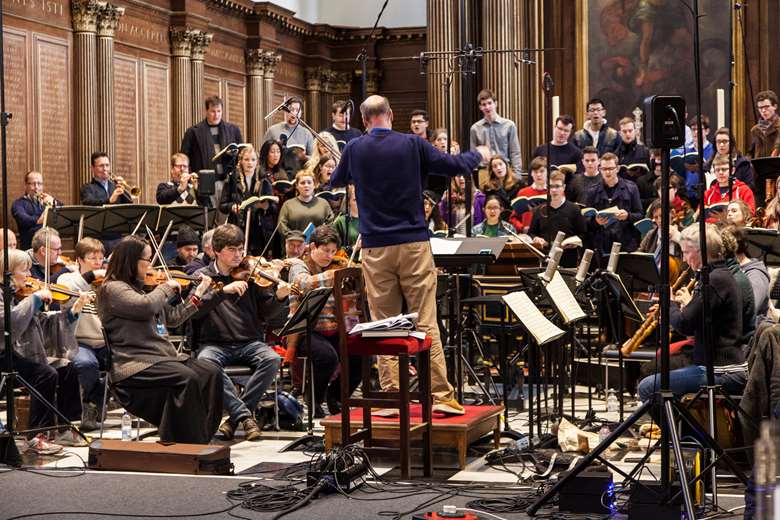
(664, 122)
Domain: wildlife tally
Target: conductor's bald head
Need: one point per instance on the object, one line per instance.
(376, 111)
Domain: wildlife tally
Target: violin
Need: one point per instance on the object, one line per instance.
(339, 261)
(59, 293)
(262, 272)
(155, 277)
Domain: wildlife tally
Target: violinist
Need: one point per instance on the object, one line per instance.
(203, 258)
(181, 395)
(91, 357)
(346, 225)
(186, 247)
(308, 275)
(28, 209)
(248, 182)
(44, 346)
(230, 330)
(38, 255)
(11, 240)
(651, 242)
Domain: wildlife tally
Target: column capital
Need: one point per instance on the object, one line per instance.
(372, 79)
(255, 62)
(341, 82)
(84, 14)
(329, 79)
(181, 41)
(313, 77)
(199, 44)
(271, 60)
(108, 19)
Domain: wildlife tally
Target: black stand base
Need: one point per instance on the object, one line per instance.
(9, 455)
(309, 442)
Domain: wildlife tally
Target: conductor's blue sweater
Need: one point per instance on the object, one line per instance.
(389, 170)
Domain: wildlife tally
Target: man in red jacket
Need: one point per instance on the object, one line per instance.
(716, 198)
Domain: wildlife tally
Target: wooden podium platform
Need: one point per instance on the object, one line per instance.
(449, 431)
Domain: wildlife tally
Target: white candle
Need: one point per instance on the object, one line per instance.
(556, 108)
(721, 108)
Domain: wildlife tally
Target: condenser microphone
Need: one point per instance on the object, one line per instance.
(613, 257)
(584, 267)
(552, 264)
(557, 242)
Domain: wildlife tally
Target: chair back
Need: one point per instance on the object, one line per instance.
(109, 352)
(349, 297)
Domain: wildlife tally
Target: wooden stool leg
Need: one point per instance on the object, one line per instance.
(424, 378)
(403, 409)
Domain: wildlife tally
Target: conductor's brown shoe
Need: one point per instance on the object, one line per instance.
(251, 430)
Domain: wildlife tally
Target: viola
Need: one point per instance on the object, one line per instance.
(59, 293)
(261, 272)
(155, 277)
(339, 261)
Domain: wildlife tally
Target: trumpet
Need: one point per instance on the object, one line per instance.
(651, 322)
(40, 198)
(194, 181)
(133, 191)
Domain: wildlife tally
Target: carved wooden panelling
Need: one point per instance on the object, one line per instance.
(212, 86)
(127, 160)
(156, 126)
(236, 105)
(16, 100)
(51, 89)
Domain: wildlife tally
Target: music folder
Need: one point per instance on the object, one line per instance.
(199, 218)
(123, 218)
(66, 219)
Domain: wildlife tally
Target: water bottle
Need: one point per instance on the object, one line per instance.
(612, 401)
(127, 426)
(604, 433)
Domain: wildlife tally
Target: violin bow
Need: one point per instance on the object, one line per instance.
(157, 253)
(354, 250)
(141, 221)
(248, 220)
(268, 242)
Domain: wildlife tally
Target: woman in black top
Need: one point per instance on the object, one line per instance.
(502, 181)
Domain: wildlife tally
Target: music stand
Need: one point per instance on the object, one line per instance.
(68, 219)
(639, 271)
(123, 218)
(303, 321)
(767, 169)
(199, 218)
(764, 244)
(470, 251)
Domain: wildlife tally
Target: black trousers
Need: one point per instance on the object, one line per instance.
(60, 387)
(325, 359)
(182, 398)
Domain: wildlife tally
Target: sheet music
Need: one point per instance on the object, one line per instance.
(563, 299)
(439, 246)
(542, 329)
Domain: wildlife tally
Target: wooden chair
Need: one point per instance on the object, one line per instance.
(348, 294)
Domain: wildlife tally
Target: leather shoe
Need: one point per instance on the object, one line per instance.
(251, 430)
(227, 429)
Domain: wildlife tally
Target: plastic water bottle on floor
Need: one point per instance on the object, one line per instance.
(127, 426)
(604, 432)
(612, 401)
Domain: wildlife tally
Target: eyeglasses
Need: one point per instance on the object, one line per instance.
(182, 166)
(147, 260)
(556, 186)
(610, 169)
(594, 110)
(721, 141)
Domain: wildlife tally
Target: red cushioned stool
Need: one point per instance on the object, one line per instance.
(350, 306)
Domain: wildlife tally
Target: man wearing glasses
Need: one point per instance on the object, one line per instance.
(614, 191)
(596, 131)
(28, 209)
(765, 134)
(38, 255)
(180, 189)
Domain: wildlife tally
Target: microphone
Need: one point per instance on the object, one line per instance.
(584, 267)
(284, 105)
(613, 257)
(557, 242)
(552, 265)
(547, 81)
(348, 113)
(228, 150)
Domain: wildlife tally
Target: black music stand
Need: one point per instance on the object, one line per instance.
(767, 169)
(638, 271)
(471, 251)
(198, 218)
(124, 218)
(764, 244)
(68, 219)
(303, 321)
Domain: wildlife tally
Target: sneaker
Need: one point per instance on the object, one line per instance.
(251, 430)
(227, 430)
(70, 438)
(451, 407)
(41, 445)
(89, 417)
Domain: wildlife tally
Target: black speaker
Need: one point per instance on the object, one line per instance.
(206, 182)
(664, 122)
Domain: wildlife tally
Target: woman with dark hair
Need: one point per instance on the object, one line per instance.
(492, 226)
(180, 395)
(432, 215)
(502, 181)
(271, 161)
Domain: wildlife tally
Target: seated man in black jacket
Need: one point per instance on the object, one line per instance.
(725, 308)
(180, 189)
(229, 330)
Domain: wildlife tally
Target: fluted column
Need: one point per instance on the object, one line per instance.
(199, 44)
(313, 82)
(181, 85)
(528, 114)
(270, 60)
(108, 18)
(340, 89)
(498, 71)
(85, 92)
(442, 36)
(255, 69)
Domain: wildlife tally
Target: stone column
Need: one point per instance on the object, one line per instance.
(528, 113)
(270, 59)
(340, 89)
(84, 14)
(442, 36)
(499, 73)
(255, 68)
(313, 78)
(108, 18)
(181, 84)
(199, 44)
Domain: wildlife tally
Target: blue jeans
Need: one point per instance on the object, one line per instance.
(688, 380)
(258, 356)
(88, 362)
